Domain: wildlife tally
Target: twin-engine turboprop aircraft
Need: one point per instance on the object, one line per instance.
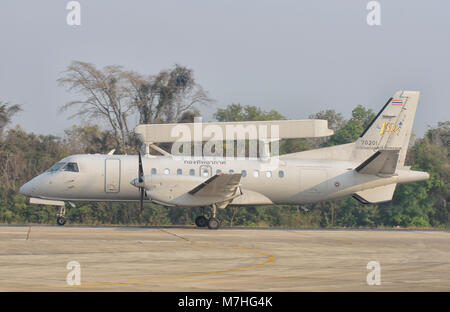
(368, 169)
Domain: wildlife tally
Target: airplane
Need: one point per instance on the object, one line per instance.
(368, 169)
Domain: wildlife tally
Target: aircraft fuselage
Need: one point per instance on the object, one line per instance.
(293, 181)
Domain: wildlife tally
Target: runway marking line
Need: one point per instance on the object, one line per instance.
(270, 259)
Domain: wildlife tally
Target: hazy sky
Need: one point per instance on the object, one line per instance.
(298, 57)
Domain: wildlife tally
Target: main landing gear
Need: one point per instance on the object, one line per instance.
(201, 221)
(60, 218)
(212, 223)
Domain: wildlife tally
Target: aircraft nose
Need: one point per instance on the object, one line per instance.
(26, 189)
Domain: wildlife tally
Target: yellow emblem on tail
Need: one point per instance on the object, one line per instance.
(389, 127)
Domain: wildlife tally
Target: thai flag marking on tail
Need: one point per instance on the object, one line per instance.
(397, 102)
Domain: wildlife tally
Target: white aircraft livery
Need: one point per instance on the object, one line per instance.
(368, 169)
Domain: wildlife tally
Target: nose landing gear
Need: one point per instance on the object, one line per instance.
(60, 218)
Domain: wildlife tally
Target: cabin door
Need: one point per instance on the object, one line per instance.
(112, 175)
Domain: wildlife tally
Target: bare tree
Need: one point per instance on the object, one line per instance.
(142, 94)
(166, 96)
(113, 95)
(104, 96)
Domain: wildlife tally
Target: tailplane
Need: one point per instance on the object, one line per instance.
(382, 163)
(376, 195)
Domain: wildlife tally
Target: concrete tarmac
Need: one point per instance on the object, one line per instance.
(188, 259)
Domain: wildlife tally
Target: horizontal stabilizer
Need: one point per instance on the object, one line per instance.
(220, 185)
(383, 162)
(376, 195)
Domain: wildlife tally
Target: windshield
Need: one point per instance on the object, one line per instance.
(73, 167)
(56, 167)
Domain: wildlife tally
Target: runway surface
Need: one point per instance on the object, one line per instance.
(184, 259)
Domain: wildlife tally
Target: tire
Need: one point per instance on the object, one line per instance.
(201, 221)
(213, 224)
(61, 221)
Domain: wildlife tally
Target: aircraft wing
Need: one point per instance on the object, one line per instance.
(382, 162)
(220, 185)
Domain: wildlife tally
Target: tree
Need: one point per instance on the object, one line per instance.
(335, 120)
(362, 115)
(165, 97)
(237, 112)
(352, 129)
(103, 96)
(113, 95)
(7, 111)
(89, 139)
(440, 135)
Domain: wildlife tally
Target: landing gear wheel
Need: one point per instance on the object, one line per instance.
(213, 224)
(61, 220)
(201, 221)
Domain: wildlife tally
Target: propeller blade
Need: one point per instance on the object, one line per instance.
(141, 169)
(142, 201)
(141, 189)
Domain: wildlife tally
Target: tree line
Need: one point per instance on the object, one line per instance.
(111, 97)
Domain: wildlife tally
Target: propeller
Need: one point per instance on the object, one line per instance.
(141, 188)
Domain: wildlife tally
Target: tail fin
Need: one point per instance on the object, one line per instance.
(391, 128)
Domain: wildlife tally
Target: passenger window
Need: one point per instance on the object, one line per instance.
(72, 167)
(166, 171)
(179, 171)
(244, 173)
(268, 174)
(256, 173)
(191, 172)
(153, 170)
(281, 173)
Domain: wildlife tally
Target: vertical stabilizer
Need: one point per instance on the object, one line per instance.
(391, 128)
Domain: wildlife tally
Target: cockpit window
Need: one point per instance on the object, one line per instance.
(73, 167)
(56, 167)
